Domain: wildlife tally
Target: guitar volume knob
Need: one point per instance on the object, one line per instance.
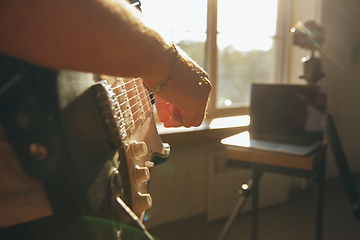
(139, 149)
(143, 201)
(141, 175)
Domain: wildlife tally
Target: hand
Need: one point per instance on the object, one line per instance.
(183, 102)
(168, 114)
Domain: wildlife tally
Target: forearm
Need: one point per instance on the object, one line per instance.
(104, 37)
(101, 36)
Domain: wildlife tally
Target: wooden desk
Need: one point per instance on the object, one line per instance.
(302, 166)
(311, 166)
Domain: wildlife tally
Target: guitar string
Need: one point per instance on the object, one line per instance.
(133, 81)
(140, 107)
(131, 107)
(136, 95)
(126, 91)
(149, 103)
(130, 88)
(139, 118)
(124, 83)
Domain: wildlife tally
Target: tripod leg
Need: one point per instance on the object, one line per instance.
(320, 180)
(343, 167)
(255, 204)
(244, 196)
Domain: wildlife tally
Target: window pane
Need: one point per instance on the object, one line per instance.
(245, 49)
(249, 17)
(237, 70)
(181, 21)
(194, 48)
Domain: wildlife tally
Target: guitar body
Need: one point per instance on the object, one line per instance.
(91, 141)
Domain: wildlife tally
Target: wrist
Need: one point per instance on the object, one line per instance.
(157, 87)
(181, 58)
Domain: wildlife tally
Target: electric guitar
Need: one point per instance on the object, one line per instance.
(128, 110)
(91, 141)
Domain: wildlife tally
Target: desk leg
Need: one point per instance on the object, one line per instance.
(320, 199)
(255, 204)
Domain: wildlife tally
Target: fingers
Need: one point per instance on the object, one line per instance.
(172, 116)
(164, 111)
(176, 117)
(168, 114)
(161, 109)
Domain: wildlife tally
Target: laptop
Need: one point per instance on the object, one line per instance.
(284, 118)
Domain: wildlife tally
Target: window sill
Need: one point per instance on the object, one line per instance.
(195, 136)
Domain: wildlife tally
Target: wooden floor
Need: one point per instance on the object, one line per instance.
(294, 220)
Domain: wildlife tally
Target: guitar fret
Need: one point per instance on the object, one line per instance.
(138, 104)
(125, 106)
(130, 102)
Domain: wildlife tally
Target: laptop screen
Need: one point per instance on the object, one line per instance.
(296, 111)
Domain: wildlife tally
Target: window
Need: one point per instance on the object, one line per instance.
(245, 41)
(236, 41)
(180, 21)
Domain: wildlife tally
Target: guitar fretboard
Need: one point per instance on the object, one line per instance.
(130, 103)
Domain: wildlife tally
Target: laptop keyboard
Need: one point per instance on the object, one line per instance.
(288, 140)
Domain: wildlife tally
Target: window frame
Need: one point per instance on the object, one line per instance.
(282, 46)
